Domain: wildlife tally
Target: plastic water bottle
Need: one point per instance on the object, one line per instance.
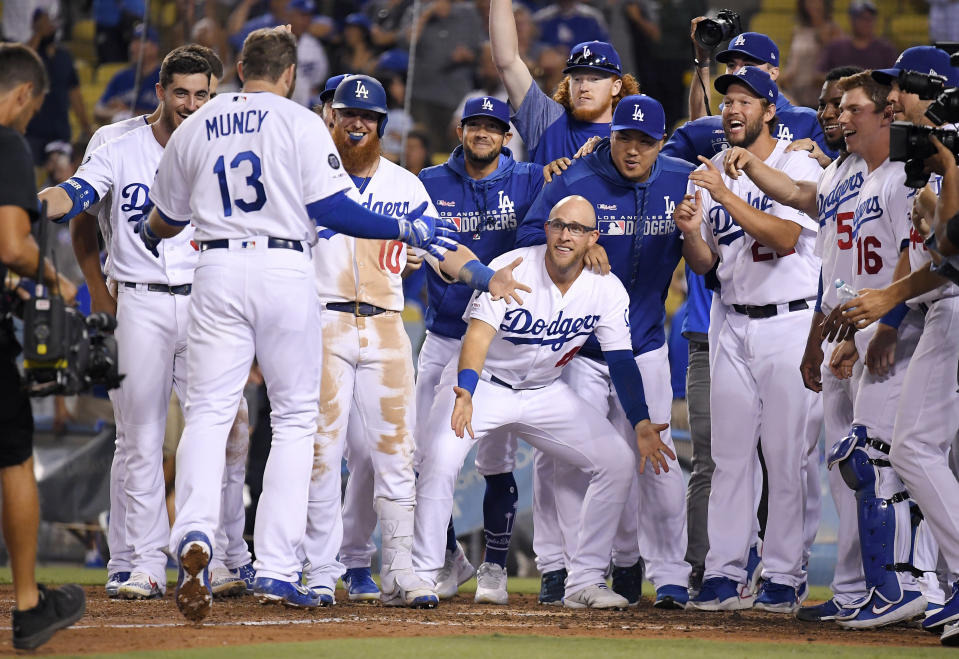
(844, 291)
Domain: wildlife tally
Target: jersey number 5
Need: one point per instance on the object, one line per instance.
(252, 181)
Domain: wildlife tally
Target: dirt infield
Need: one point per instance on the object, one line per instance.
(116, 626)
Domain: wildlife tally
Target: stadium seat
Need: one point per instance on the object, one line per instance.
(780, 6)
(909, 30)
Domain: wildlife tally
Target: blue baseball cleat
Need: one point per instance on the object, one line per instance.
(360, 586)
(776, 598)
(878, 613)
(194, 595)
(287, 593)
(553, 587)
(248, 574)
(324, 595)
(820, 613)
(671, 597)
(721, 594)
(949, 613)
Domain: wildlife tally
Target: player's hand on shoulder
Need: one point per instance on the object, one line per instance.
(688, 214)
(426, 232)
(844, 357)
(812, 149)
(587, 147)
(555, 168)
(504, 286)
(881, 351)
(596, 259)
(651, 446)
(462, 412)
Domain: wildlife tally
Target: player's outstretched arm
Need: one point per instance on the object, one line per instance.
(479, 335)
(775, 183)
(463, 266)
(689, 218)
(504, 45)
(66, 200)
(873, 304)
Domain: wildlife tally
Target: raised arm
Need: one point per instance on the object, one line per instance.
(504, 45)
(697, 98)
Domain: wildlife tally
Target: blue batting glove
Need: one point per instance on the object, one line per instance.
(150, 239)
(428, 233)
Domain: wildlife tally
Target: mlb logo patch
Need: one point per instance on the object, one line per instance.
(613, 227)
(458, 221)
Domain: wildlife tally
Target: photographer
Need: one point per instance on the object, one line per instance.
(38, 611)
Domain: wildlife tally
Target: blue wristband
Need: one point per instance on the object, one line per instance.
(467, 379)
(894, 317)
(476, 275)
(81, 194)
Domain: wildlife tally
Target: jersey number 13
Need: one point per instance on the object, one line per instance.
(252, 181)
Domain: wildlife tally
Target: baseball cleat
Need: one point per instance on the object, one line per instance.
(456, 571)
(628, 582)
(552, 587)
(819, 613)
(226, 583)
(776, 598)
(950, 635)
(597, 596)
(360, 586)
(879, 613)
(671, 597)
(324, 595)
(754, 572)
(935, 621)
(194, 597)
(721, 594)
(114, 581)
(140, 586)
(248, 574)
(408, 590)
(491, 584)
(288, 593)
(851, 610)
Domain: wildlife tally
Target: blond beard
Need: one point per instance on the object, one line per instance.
(588, 115)
(357, 160)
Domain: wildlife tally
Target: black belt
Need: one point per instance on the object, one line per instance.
(361, 309)
(272, 243)
(182, 289)
(768, 310)
(502, 383)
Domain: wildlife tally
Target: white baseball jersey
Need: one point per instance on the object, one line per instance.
(124, 167)
(880, 225)
(103, 135)
(358, 269)
(537, 339)
(752, 273)
(919, 254)
(247, 164)
(837, 192)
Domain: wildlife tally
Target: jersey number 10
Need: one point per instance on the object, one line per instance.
(252, 181)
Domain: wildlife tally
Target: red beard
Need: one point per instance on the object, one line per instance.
(357, 158)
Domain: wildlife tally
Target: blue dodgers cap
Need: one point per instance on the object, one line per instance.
(151, 34)
(395, 61)
(640, 112)
(306, 6)
(752, 45)
(359, 20)
(486, 106)
(752, 77)
(330, 87)
(595, 55)
(923, 59)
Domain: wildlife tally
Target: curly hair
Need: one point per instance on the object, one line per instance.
(561, 95)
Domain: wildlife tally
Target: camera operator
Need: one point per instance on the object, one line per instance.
(38, 611)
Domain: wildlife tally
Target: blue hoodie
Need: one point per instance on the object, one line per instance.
(643, 260)
(502, 198)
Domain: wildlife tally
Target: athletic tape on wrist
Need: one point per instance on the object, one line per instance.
(467, 379)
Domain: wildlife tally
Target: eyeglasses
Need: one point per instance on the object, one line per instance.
(575, 229)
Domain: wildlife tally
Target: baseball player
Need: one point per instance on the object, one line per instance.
(151, 309)
(833, 201)
(487, 193)
(633, 191)
(768, 273)
(511, 361)
(582, 106)
(368, 368)
(326, 97)
(261, 171)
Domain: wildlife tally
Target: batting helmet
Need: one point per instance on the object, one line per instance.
(362, 92)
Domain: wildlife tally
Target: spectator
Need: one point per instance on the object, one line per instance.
(355, 53)
(568, 23)
(814, 30)
(386, 21)
(114, 21)
(548, 71)
(417, 150)
(391, 71)
(18, 17)
(123, 97)
(312, 64)
(863, 48)
(207, 32)
(527, 35)
(448, 41)
(52, 122)
(279, 12)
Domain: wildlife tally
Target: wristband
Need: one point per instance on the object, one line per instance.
(952, 229)
(894, 317)
(476, 275)
(467, 379)
(701, 64)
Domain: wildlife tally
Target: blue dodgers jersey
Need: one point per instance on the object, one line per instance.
(549, 131)
(637, 230)
(487, 213)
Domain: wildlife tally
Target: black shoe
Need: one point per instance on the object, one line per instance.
(628, 582)
(56, 609)
(553, 587)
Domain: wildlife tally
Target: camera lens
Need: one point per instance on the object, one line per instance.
(709, 33)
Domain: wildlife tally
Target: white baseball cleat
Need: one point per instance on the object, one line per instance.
(140, 586)
(456, 571)
(408, 590)
(226, 582)
(491, 584)
(597, 596)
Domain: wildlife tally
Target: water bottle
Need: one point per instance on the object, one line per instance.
(844, 291)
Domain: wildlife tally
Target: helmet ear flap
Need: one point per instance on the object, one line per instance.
(381, 126)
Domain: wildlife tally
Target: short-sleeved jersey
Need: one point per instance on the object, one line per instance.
(247, 164)
(881, 225)
(837, 194)
(749, 272)
(121, 172)
(919, 254)
(535, 340)
(364, 270)
(549, 131)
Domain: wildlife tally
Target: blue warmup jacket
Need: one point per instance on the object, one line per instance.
(487, 213)
(636, 229)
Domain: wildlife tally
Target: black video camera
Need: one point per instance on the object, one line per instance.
(910, 144)
(713, 31)
(926, 85)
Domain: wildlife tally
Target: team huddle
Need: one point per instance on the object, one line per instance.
(247, 228)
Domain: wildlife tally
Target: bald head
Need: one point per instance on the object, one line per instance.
(574, 208)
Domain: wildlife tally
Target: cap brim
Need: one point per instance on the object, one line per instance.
(885, 76)
(727, 80)
(619, 127)
(327, 96)
(725, 55)
(599, 69)
(488, 116)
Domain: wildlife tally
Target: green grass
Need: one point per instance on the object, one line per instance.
(59, 574)
(533, 647)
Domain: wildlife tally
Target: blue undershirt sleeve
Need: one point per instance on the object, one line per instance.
(628, 382)
(344, 215)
